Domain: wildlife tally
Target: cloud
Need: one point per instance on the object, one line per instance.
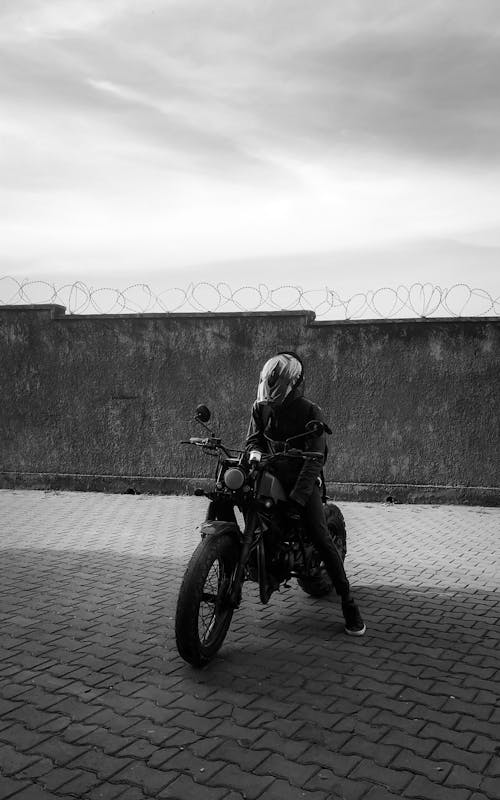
(434, 97)
(224, 82)
(29, 20)
(387, 76)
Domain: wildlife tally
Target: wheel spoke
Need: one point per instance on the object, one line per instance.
(211, 610)
(209, 598)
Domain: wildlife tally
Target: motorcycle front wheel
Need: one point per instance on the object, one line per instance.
(203, 610)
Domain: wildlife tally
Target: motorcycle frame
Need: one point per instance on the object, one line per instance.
(249, 542)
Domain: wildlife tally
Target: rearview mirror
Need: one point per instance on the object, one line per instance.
(202, 413)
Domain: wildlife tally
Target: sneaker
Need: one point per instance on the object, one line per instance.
(354, 625)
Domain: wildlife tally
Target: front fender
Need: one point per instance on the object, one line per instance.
(217, 527)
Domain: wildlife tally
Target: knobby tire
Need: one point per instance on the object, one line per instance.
(322, 585)
(203, 616)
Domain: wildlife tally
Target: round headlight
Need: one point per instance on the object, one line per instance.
(234, 478)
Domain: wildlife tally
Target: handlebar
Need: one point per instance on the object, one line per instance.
(206, 441)
(214, 443)
(302, 453)
(307, 455)
(210, 443)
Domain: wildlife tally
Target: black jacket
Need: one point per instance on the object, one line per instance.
(267, 432)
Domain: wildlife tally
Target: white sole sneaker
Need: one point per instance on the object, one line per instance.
(361, 632)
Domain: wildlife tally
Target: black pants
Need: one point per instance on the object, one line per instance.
(315, 520)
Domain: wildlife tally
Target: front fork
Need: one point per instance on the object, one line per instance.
(217, 510)
(239, 576)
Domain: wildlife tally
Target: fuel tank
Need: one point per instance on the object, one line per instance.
(270, 486)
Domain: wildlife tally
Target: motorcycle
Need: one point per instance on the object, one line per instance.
(271, 547)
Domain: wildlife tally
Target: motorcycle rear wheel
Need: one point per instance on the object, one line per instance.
(336, 526)
(317, 586)
(321, 585)
(203, 612)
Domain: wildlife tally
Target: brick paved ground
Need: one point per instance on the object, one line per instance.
(95, 702)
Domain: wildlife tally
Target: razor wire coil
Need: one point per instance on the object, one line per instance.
(420, 300)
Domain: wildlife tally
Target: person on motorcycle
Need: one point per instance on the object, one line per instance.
(280, 412)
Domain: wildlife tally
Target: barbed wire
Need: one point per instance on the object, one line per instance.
(416, 300)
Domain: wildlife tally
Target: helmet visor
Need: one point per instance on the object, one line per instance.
(278, 377)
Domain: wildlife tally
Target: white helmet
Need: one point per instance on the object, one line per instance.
(279, 376)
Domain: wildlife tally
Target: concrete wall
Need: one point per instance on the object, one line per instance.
(93, 402)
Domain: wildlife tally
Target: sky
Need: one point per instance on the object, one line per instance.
(352, 144)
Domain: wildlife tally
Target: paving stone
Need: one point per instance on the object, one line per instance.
(472, 724)
(107, 718)
(339, 763)
(490, 787)
(12, 762)
(192, 703)
(205, 746)
(76, 730)
(12, 690)
(56, 778)
(104, 792)
(151, 780)
(104, 740)
(295, 773)
(317, 717)
(282, 790)
(232, 777)
(336, 787)
(10, 786)
(309, 734)
(481, 796)
(120, 704)
(484, 744)
(430, 714)
(20, 737)
(200, 769)
(474, 761)
(359, 746)
(80, 784)
(380, 793)
(102, 764)
(416, 744)
(139, 748)
(461, 776)
(394, 779)
(161, 716)
(184, 787)
(34, 792)
(409, 725)
(58, 750)
(31, 717)
(228, 729)
(459, 739)
(435, 769)
(159, 735)
(39, 768)
(245, 757)
(494, 765)
(288, 728)
(160, 759)
(423, 788)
